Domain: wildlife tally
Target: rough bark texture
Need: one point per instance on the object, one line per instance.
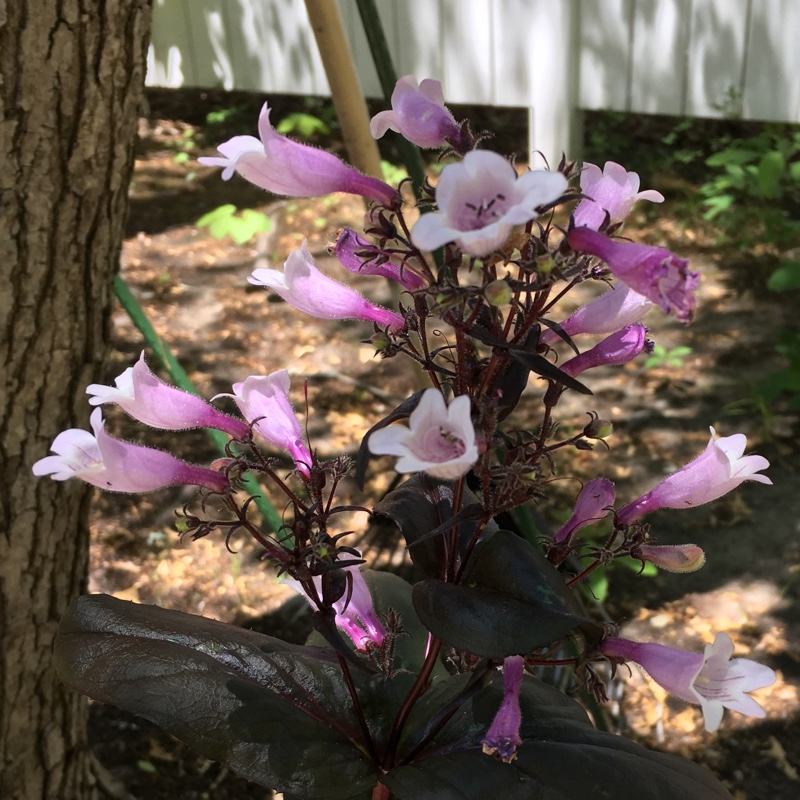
(71, 78)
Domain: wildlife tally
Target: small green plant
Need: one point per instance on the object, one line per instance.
(760, 173)
(392, 173)
(302, 125)
(241, 226)
(785, 381)
(661, 357)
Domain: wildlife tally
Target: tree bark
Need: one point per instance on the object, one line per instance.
(71, 80)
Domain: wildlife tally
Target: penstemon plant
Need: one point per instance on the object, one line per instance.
(436, 690)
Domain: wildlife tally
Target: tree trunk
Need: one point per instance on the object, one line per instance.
(71, 80)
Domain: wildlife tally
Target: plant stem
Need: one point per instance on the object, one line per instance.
(348, 678)
(414, 693)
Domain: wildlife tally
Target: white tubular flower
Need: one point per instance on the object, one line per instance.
(439, 440)
(481, 199)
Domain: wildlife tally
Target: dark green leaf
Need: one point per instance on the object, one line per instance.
(770, 171)
(278, 714)
(730, 156)
(512, 600)
(423, 505)
(391, 591)
(785, 278)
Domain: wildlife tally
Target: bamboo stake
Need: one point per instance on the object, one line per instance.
(348, 99)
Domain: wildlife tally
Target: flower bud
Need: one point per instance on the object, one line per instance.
(502, 738)
(598, 429)
(498, 293)
(673, 558)
(380, 341)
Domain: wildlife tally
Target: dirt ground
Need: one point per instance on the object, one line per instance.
(194, 289)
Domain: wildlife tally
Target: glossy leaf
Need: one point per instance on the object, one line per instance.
(276, 713)
(511, 601)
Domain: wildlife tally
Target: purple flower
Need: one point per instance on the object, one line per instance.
(613, 190)
(718, 470)
(593, 504)
(147, 399)
(356, 618)
(303, 286)
(481, 199)
(439, 439)
(266, 398)
(619, 348)
(350, 245)
(283, 166)
(118, 466)
(418, 114)
(712, 679)
(616, 308)
(652, 271)
(502, 739)
(672, 557)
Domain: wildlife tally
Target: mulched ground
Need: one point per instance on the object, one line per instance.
(194, 289)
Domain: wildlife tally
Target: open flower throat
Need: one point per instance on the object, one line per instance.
(478, 215)
(439, 445)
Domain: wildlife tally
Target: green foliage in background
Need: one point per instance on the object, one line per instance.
(241, 226)
(661, 357)
(753, 191)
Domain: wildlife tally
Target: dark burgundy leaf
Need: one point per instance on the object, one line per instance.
(562, 756)
(278, 714)
(424, 505)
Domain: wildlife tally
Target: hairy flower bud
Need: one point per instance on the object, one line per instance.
(673, 558)
(498, 293)
(598, 429)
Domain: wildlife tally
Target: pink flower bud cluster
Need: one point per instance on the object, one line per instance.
(120, 466)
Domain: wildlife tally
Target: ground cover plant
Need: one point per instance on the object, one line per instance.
(489, 598)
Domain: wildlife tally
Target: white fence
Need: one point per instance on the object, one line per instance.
(694, 57)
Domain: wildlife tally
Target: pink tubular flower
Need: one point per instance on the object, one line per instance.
(418, 114)
(616, 308)
(439, 440)
(356, 618)
(652, 271)
(619, 348)
(502, 739)
(118, 466)
(481, 199)
(303, 286)
(283, 166)
(672, 557)
(147, 399)
(613, 190)
(593, 504)
(718, 470)
(266, 398)
(362, 257)
(711, 679)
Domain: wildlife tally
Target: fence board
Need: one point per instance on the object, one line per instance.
(772, 80)
(653, 56)
(716, 58)
(660, 38)
(604, 51)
